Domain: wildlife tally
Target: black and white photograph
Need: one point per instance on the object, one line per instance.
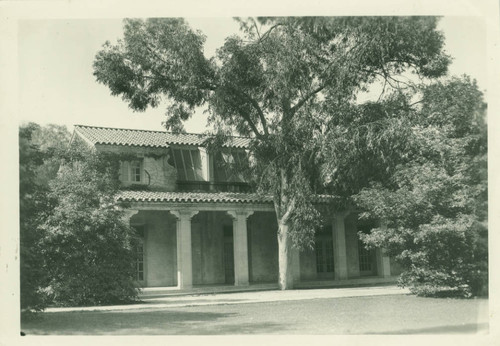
(236, 171)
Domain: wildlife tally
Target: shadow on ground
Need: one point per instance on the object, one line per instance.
(361, 315)
(141, 322)
(470, 328)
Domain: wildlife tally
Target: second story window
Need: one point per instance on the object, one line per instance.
(188, 164)
(131, 172)
(135, 171)
(228, 165)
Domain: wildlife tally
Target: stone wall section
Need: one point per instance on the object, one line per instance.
(158, 174)
(208, 247)
(160, 247)
(263, 247)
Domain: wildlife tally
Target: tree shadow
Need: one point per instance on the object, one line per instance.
(142, 322)
(469, 328)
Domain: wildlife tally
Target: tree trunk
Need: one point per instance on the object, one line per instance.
(285, 258)
(283, 208)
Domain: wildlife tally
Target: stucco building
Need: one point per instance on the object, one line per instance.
(202, 225)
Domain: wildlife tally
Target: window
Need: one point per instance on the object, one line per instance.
(131, 171)
(135, 171)
(140, 262)
(324, 252)
(228, 163)
(188, 164)
(139, 251)
(324, 255)
(367, 258)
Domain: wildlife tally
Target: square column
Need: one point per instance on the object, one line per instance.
(383, 264)
(240, 245)
(383, 261)
(339, 246)
(184, 255)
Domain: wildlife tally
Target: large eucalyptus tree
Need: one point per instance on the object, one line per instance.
(277, 82)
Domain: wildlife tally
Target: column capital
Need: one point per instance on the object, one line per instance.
(128, 213)
(183, 214)
(235, 213)
(341, 214)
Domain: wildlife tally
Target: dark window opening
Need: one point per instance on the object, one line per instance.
(228, 254)
(188, 164)
(323, 246)
(228, 166)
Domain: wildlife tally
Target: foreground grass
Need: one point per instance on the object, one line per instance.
(400, 314)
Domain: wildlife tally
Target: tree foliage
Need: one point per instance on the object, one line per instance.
(75, 247)
(422, 169)
(89, 248)
(52, 140)
(279, 82)
(34, 205)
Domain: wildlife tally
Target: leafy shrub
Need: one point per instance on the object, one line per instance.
(33, 207)
(434, 201)
(88, 247)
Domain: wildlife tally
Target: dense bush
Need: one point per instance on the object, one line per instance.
(33, 206)
(88, 247)
(436, 203)
(451, 259)
(421, 167)
(75, 249)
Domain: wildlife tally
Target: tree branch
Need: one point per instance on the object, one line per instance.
(256, 28)
(169, 65)
(304, 99)
(251, 124)
(383, 90)
(323, 75)
(255, 105)
(414, 103)
(268, 32)
(160, 77)
(289, 210)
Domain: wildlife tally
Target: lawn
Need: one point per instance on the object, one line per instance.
(397, 314)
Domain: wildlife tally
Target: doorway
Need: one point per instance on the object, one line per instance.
(323, 246)
(228, 254)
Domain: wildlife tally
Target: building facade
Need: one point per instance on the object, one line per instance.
(200, 224)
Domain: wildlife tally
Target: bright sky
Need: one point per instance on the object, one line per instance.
(56, 84)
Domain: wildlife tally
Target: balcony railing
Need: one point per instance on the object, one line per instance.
(207, 186)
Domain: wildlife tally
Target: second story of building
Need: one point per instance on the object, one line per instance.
(164, 161)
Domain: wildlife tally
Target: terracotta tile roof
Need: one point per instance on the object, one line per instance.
(220, 197)
(204, 197)
(146, 138)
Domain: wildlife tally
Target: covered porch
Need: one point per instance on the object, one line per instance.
(206, 242)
